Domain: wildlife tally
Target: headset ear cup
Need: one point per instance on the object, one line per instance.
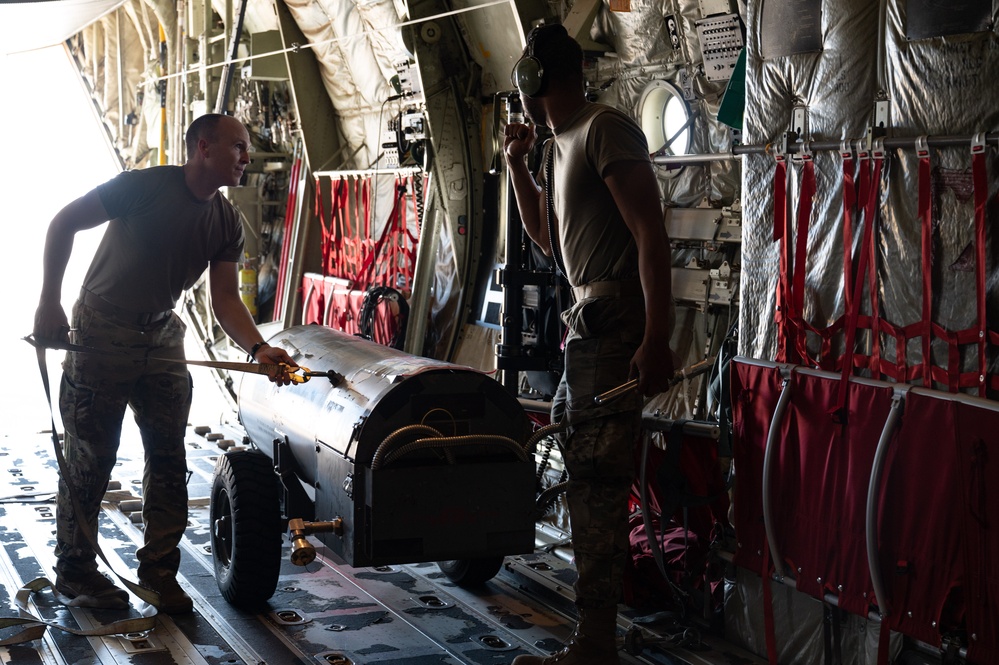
(528, 76)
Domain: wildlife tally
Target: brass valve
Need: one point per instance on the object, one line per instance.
(302, 551)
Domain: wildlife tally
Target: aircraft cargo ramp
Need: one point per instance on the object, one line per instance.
(324, 613)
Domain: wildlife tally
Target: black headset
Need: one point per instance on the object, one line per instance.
(529, 74)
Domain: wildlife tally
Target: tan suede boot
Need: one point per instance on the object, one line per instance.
(592, 643)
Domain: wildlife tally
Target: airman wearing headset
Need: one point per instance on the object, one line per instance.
(595, 208)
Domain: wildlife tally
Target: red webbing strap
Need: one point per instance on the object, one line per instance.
(980, 179)
(350, 239)
(339, 204)
(364, 240)
(849, 203)
(326, 241)
(872, 212)
(926, 218)
(806, 196)
(870, 188)
(289, 223)
(355, 231)
(342, 198)
(781, 233)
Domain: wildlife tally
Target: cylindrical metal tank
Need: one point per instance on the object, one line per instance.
(414, 459)
(383, 390)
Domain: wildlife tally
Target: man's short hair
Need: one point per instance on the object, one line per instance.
(203, 127)
(560, 55)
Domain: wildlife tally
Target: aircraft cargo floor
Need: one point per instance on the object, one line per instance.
(325, 613)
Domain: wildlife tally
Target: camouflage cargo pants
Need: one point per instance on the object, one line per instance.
(598, 448)
(95, 390)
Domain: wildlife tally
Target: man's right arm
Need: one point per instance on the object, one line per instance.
(85, 212)
(530, 200)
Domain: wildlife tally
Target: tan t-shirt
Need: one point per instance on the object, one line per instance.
(160, 239)
(596, 243)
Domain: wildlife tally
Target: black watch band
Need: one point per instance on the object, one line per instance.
(256, 347)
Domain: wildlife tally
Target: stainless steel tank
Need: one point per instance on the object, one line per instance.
(415, 459)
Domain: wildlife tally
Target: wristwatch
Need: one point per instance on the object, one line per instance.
(256, 347)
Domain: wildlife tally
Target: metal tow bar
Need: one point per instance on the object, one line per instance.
(297, 375)
(679, 376)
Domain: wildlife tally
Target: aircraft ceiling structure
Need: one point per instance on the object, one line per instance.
(52, 22)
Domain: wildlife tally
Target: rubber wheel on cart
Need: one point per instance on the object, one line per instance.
(471, 572)
(246, 528)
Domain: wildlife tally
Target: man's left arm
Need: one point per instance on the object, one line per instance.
(635, 190)
(235, 319)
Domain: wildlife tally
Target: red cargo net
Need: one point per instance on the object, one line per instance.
(366, 274)
(885, 353)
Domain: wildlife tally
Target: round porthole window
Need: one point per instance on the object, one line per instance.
(665, 119)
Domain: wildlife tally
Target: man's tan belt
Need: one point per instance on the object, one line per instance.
(626, 288)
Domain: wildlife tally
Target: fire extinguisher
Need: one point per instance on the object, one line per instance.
(248, 285)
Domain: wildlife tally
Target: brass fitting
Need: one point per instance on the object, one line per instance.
(302, 551)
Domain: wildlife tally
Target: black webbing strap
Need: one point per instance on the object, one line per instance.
(35, 625)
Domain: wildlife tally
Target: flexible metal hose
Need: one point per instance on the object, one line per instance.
(390, 440)
(451, 442)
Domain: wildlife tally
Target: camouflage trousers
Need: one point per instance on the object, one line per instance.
(95, 390)
(598, 450)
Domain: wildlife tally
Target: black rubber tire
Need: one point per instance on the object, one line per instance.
(246, 528)
(471, 572)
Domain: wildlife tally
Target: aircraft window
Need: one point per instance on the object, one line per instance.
(665, 119)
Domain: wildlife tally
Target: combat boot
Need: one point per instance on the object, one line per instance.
(173, 598)
(592, 643)
(90, 589)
